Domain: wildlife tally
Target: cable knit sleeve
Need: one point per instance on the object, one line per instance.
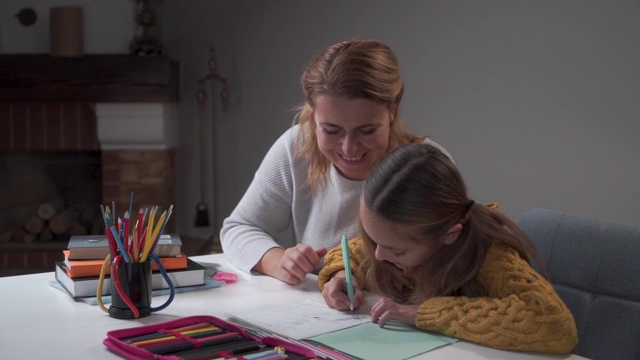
(521, 312)
(333, 262)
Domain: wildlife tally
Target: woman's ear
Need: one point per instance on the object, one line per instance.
(452, 234)
(393, 111)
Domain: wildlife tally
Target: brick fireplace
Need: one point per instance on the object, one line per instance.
(101, 127)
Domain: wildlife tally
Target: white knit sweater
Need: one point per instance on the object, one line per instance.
(279, 209)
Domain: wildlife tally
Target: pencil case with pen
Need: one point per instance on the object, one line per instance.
(200, 337)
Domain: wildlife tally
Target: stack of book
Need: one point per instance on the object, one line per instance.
(79, 273)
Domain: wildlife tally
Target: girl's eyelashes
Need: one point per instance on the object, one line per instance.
(392, 251)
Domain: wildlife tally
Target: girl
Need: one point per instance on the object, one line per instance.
(444, 263)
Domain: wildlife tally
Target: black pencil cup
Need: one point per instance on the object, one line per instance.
(135, 280)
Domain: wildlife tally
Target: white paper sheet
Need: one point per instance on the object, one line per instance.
(299, 320)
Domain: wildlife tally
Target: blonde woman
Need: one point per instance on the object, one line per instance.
(305, 194)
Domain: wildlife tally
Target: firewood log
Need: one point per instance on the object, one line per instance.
(34, 225)
(48, 209)
(61, 222)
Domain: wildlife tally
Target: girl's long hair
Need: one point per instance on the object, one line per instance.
(356, 68)
(418, 186)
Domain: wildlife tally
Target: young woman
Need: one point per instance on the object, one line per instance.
(444, 263)
(305, 194)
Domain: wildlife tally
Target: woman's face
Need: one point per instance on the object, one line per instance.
(352, 133)
(396, 243)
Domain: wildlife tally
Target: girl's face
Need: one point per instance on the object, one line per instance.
(396, 243)
(352, 133)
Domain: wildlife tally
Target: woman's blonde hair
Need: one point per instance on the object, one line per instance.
(357, 68)
(419, 187)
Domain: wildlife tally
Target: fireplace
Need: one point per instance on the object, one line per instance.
(74, 134)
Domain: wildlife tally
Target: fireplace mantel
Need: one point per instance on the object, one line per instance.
(123, 105)
(91, 78)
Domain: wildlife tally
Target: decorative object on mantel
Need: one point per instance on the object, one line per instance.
(202, 218)
(145, 42)
(66, 31)
(27, 16)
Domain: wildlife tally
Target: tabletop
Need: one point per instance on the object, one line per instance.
(40, 321)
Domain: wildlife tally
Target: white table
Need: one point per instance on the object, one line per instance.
(39, 321)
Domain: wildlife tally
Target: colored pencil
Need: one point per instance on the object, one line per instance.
(261, 355)
(347, 270)
(234, 348)
(195, 338)
(226, 340)
(166, 332)
(196, 333)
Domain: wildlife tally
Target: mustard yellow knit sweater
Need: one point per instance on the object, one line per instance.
(522, 311)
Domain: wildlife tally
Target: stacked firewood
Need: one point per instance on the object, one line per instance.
(53, 220)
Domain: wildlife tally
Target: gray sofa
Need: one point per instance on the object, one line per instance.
(594, 265)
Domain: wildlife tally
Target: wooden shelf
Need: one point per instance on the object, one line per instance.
(89, 78)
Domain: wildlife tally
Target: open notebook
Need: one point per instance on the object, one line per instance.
(350, 332)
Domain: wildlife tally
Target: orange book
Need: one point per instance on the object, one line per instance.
(84, 268)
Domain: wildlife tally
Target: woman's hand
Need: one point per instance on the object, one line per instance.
(291, 265)
(386, 309)
(335, 292)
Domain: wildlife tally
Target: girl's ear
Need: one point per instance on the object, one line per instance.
(452, 234)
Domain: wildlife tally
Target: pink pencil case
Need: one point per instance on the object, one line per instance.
(116, 339)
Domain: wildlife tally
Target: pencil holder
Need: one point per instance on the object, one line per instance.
(131, 250)
(135, 290)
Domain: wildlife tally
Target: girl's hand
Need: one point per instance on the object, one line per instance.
(335, 292)
(386, 309)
